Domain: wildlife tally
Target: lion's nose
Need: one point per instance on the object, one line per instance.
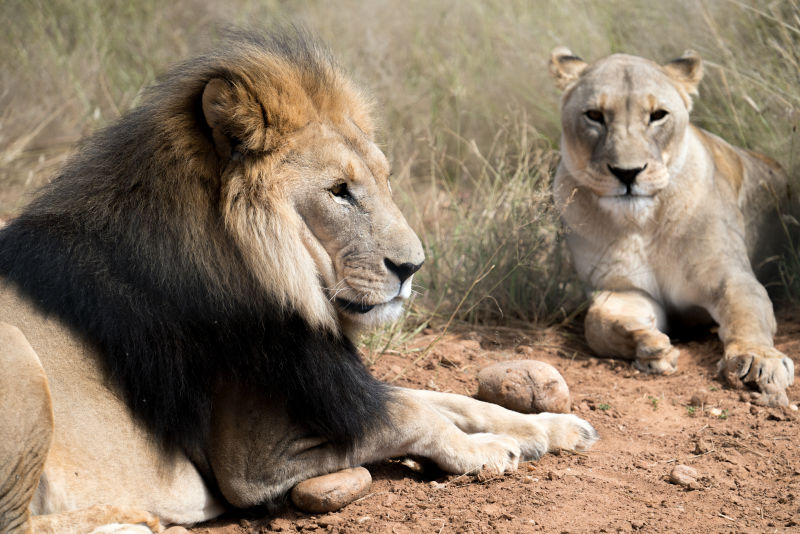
(626, 176)
(404, 270)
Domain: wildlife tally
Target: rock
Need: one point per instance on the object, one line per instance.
(527, 386)
(701, 446)
(331, 492)
(683, 475)
(280, 524)
(329, 521)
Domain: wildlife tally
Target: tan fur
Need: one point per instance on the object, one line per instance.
(665, 218)
(727, 162)
(280, 148)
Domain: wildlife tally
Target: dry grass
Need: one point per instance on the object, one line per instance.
(470, 114)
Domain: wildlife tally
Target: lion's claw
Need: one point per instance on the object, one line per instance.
(656, 359)
(765, 367)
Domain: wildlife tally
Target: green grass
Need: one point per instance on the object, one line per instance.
(470, 115)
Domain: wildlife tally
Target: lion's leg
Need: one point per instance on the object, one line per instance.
(536, 433)
(101, 519)
(628, 324)
(746, 326)
(26, 427)
(257, 455)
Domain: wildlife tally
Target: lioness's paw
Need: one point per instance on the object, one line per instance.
(656, 355)
(567, 432)
(491, 451)
(767, 368)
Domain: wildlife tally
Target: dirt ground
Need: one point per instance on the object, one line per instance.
(747, 457)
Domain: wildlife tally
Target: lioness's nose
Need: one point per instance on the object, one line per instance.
(404, 270)
(626, 176)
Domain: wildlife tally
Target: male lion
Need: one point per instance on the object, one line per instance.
(664, 218)
(178, 308)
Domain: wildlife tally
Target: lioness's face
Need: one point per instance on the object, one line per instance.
(624, 123)
(364, 249)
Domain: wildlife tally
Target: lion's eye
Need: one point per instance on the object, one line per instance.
(340, 190)
(658, 114)
(595, 115)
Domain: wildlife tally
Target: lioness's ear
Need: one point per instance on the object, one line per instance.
(236, 120)
(565, 67)
(686, 70)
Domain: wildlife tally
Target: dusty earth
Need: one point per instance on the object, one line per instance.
(747, 457)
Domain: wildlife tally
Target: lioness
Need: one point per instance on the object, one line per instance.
(664, 218)
(177, 308)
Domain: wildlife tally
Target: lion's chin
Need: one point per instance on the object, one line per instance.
(626, 202)
(375, 316)
(626, 209)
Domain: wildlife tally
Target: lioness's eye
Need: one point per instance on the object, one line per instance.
(340, 190)
(658, 114)
(595, 115)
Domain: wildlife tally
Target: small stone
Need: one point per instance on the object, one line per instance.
(492, 510)
(331, 492)
(716, 412)
(420, 495)
(554, 475)
(329, 521)
(527, 386)
(280, 524)
(487, 473)
(702, 446)
(683, 475)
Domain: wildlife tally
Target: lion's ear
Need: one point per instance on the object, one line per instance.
(236, 120)
(687, 70)
(565, 67)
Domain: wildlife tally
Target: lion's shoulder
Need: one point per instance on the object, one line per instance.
(727, 159)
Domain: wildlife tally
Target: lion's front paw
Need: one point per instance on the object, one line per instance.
(567, 432)
(767, 368)
(492, 451)
(655, 354)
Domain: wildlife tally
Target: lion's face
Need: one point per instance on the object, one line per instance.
(306, 195)
(624, 124)
(363, 248)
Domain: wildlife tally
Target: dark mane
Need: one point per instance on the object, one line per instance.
(127, 246)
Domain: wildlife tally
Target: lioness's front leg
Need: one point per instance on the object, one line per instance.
(628, 324)
(746, 326)
(257, 455)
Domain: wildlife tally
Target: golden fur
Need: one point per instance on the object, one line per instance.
(664, 219)
(176, 308)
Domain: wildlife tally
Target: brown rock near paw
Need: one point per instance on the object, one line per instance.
(527, 386)
(331, 492)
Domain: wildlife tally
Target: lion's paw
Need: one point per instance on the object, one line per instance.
(117, 528)
(495, 452)
(767, 368)
(656, 355)
(567, 432)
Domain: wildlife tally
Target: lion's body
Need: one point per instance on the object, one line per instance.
(665, 220)
(176, 308)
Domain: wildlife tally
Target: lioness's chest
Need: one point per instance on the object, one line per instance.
(632, 261)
